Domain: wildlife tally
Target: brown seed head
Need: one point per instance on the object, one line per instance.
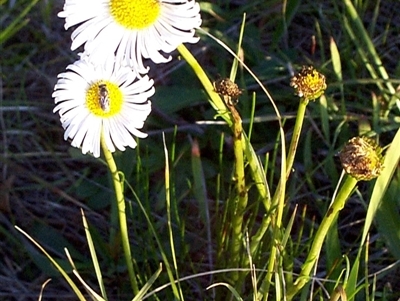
(361, 158)
(226, 87)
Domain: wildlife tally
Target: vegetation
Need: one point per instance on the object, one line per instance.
(224, 200)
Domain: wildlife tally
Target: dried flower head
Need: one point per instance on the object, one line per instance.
(362, 159)
(309, 83)
(226, 87)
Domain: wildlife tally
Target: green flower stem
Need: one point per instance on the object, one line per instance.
(263, 292)
(215, 100)
(301, 111)
(279, 200)
(242, 197)
(319, 238)
(217, 103)
(121, 213)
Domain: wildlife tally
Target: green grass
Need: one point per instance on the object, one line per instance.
(181, 187)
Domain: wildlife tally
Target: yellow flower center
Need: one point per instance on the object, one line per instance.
(135, 14)
(104, 99)
(309, 83)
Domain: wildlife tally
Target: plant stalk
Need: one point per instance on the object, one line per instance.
(278, 200)
(219, 106)
(301, 111)
(241, 199)
(119, 195)
(339, 202)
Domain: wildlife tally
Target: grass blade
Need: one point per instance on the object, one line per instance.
(94, 256)
(148, 284)
(54, 262)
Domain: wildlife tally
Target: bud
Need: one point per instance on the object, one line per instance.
(361, 158)
(226, 87)
(309, 83)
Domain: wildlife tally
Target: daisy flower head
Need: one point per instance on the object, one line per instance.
(95, 99)
(131, 29)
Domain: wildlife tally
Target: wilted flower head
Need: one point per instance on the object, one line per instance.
(227, 88)
(362, 159)
(309, 83)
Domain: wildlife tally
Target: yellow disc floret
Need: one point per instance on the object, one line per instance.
(104, 99)
(309, 83)
(135, 14)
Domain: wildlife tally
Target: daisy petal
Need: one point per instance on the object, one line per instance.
(131, 30)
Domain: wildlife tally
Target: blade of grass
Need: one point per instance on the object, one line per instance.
(89, 290)
(278, 202)
(366, 260)
(390, 164)
(363, 36)
(201, 196)
(17, 23)
(287, 251)
(229, 287)
(147, 285)
(235, 62)
(42, 289)
(337, 68)
(387, 217)
(95, 261)
(158, 241)
(54, 262)
(169, 222)
(252, 114)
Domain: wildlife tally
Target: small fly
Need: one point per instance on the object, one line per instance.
(104, 99)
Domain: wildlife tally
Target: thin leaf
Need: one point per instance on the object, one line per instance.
(148, 284)
(239, 52)
(337, 68)
(58, 267)
(362, 35)
(17, 23)
(178, 293)
(90, 291)
(230, 287)
(388, 218)
(392, 158)
(94, 257)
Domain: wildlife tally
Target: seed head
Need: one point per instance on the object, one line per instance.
(362, 159)
(226, 87)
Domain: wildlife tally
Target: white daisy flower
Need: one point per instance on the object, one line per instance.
(131, 29)
(108, 98)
